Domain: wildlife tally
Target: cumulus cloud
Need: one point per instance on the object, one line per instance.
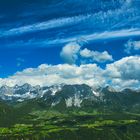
(96, 56)
(131, 46)
(127, 68)
(70, 52)
(124, 72)
(120, 74)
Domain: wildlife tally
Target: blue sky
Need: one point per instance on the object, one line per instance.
(36, 32)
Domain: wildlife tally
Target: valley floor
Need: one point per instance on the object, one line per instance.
(73, 125)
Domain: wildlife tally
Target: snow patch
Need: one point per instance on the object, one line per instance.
(73, 101)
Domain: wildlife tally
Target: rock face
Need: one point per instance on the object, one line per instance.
(73, 96)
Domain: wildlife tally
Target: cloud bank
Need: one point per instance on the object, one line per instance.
(123, 73)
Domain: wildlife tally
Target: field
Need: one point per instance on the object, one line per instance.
(72, 125)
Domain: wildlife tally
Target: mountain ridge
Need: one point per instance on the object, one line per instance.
(72, 96)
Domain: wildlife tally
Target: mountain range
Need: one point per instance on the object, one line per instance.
(68, 96)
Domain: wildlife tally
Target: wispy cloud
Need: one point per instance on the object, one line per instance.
(99, 36)
(54, 23)
(102, 20)
(78, 38)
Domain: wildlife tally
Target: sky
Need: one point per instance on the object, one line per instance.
(45, 42)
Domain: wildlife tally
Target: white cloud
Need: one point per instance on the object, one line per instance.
(127, 68)
(70, 52)
(96, 56)
(120, 74)
(86, 53)
(57, 74)
(131, 46)
(124, 73)
(122, 84)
